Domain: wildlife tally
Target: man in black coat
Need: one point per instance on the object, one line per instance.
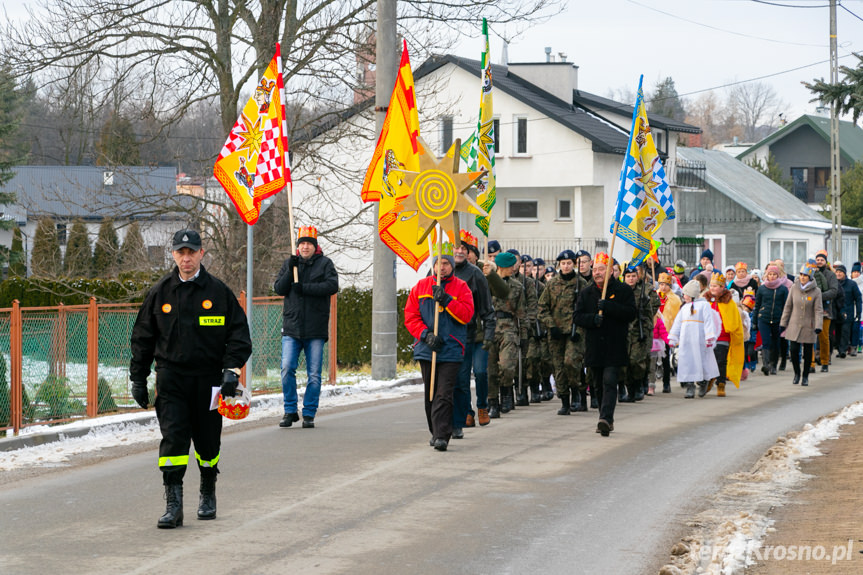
(605, 322)
(306, 322)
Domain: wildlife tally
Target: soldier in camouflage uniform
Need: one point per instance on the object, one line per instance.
(508, 335)
(546, 367)
(530, 357)
(566, 344)
(640, 334)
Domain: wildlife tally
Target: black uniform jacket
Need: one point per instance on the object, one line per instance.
(307, 316)
(606, 346)
(194, 327)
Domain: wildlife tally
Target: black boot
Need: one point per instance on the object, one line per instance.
(782, 364)
(535, 396)
(173, 516)
(622, 395)
(494, 408)
(765, 363)
(666, 388)
(564, 399)
(207, 501)
(506, 403)
(796, 367)
(582, 400)
(690, 390)
(576, 401)
(594, 404)
(521, 400)
(805, 381)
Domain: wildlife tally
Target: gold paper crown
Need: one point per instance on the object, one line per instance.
(601, 258)
(468, 238)
(718, 278)
(664, 278)
(308, 232)
(741, 265)
(446, 249)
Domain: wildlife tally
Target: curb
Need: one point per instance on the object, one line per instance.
(35, 439)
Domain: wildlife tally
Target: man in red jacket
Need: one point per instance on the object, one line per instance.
(453, 302)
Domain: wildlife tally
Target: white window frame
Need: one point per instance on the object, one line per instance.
(794, 266)
(515, 122)
(510, 218)
(559, 217)
(498, 148)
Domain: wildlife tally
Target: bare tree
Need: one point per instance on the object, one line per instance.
(182, 54)
(757, 106)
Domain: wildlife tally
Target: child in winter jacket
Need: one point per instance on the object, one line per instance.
(657, 351)
(750, 333)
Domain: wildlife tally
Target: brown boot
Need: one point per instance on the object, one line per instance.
(720, 389)
(469, 421)
(483, 417)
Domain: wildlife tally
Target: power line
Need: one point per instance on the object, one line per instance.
(790, 5)
(671, 15)
(850, 12)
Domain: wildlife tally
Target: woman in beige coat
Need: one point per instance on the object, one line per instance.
(801, 321)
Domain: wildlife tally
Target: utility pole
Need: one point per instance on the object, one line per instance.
(384, 315)
(836, 201)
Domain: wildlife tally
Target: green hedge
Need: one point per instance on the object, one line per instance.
(355, 327)
(38, 292)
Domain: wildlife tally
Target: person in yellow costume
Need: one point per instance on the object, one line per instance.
(729, 345)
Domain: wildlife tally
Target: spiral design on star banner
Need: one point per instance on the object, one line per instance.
(435, 193)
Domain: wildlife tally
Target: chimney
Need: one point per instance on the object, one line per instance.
(548, 57)
(557, 78)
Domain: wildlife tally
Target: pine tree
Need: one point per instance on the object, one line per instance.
(133, 253)
(106, 251)
(17, 257)
(78, 261)
(772, 170)
(665, 101)
(847, 94)
(46, 261)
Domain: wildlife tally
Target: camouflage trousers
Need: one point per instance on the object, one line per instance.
(567, 358)
(502, 361)
(639, 362)
(533, 363)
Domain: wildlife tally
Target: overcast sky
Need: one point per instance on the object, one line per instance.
(701, 44)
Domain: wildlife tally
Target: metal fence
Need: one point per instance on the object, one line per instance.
(70, 362)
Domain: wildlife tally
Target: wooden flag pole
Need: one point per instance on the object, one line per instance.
(436, 315)
(291, 223)
(610, 262)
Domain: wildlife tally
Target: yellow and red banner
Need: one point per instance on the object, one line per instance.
(396, 152)
(253, 163)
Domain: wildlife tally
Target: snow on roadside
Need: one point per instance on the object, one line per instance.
(137, 427)
(727, 537)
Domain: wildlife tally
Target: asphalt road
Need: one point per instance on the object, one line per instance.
(364, 493)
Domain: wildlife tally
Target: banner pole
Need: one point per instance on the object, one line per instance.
(610, 261)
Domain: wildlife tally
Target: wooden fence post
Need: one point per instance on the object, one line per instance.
(92, 359)
(15, 362)
(334, 336)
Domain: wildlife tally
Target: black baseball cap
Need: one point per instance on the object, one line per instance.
(186, 239)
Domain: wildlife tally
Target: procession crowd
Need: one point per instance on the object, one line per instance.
(595, 332)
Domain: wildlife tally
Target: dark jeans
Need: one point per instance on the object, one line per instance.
(476, 358)
(439, 411)
(604, 387)
(769, 339)
(666, 367)
(720, 352)
(795, 355)
(843, 334)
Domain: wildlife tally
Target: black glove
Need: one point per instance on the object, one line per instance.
(597, 320)
(817, 331)
(435, 342)
(295, 261)
(439, 295)
(600, 305)
(297, 288)
(230, 381)
(140, 393)
(574, 336)
(557, 333)
(487, 343)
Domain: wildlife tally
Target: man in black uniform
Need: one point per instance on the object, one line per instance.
(193, 326)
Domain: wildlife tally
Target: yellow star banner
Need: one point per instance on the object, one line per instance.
(253, 162)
